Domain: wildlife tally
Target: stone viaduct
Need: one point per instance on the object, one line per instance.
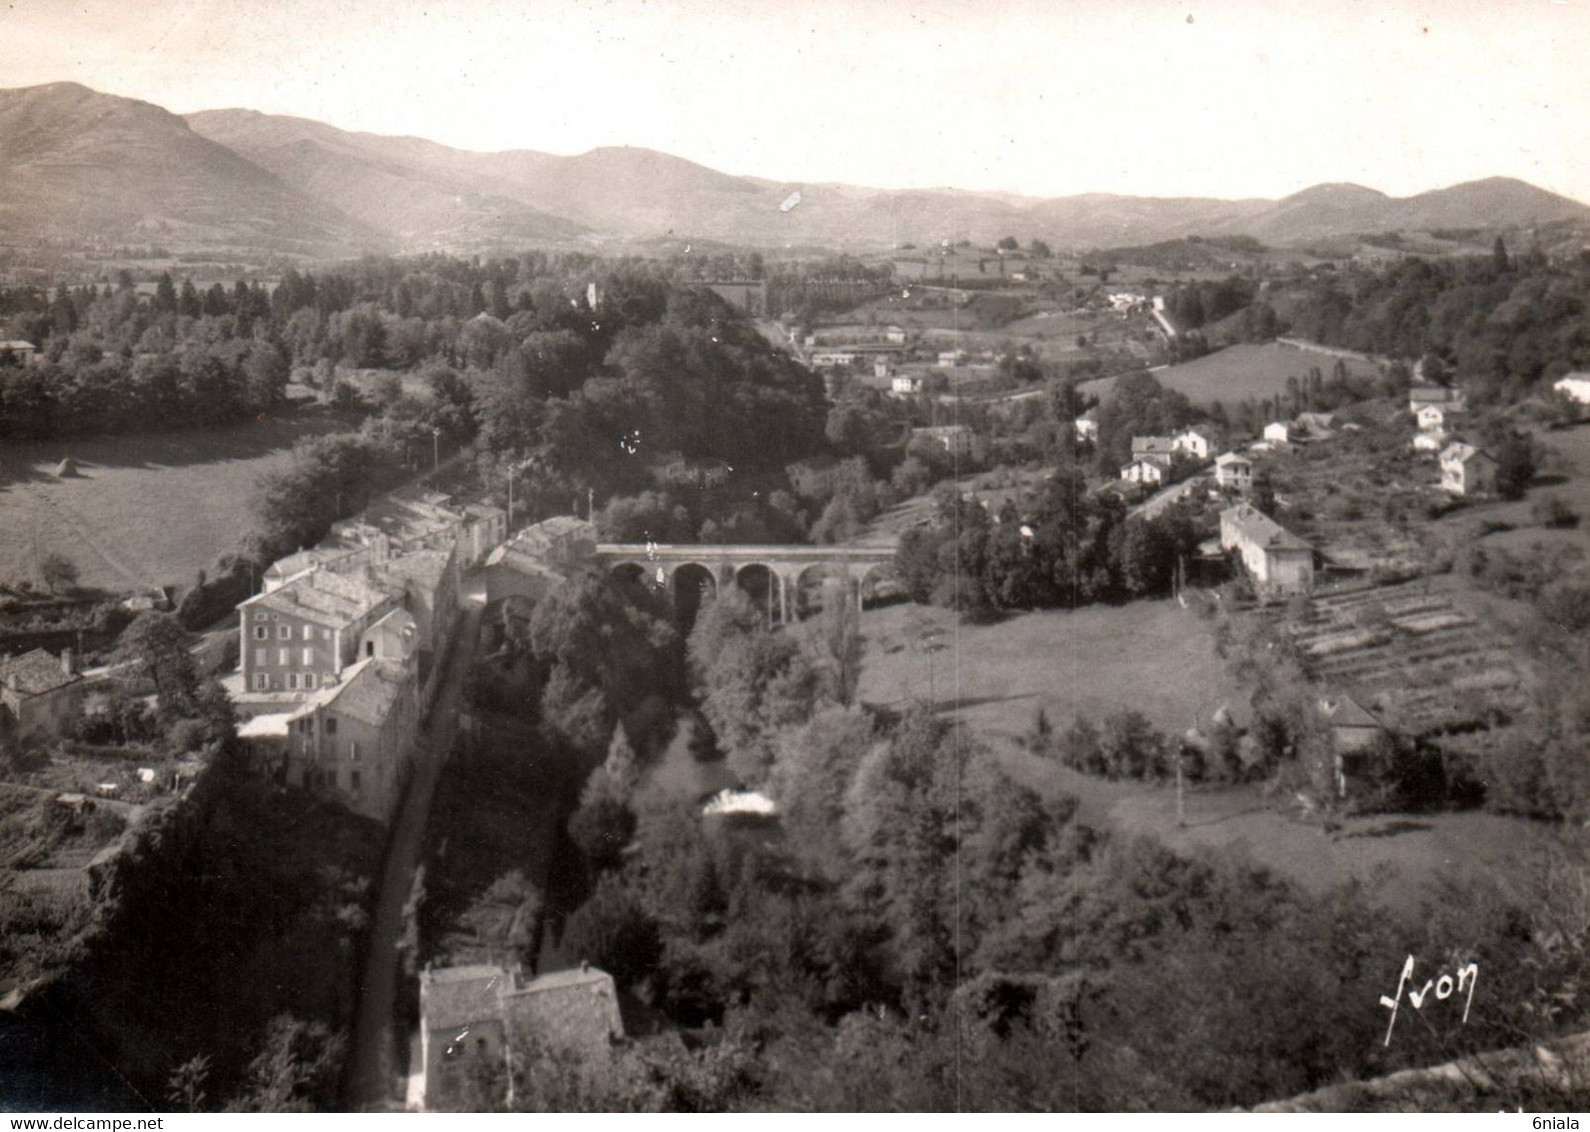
(789, 571)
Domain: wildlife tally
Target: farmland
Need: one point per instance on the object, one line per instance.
(1417, 652)
(1238, 373)
(142, 511)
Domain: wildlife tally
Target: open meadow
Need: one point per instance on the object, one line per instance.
(141, 511)
(1238, 372)
(1153, 656)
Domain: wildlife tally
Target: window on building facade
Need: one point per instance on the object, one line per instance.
(309, 679)
(309, 632)
(331, 725)
(259, 656)
(284, 632)
(309, 656)
(261, 632)
(292, 681)
(261, 682)
(353, 752)
(283, 655)
(354, 781)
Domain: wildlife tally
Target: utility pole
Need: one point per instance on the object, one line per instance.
(1181, 790)
(436, 450)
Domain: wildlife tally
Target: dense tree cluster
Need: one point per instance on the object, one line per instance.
(1503, 327)
(1071, 548)
(926, 933)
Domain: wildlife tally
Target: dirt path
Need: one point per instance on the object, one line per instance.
(374, 1076)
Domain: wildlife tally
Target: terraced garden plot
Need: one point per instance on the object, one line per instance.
(1413, 652)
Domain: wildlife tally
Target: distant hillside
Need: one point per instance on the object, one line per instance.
(99, 167)
(425, 195)
(83, 164)
(1330, 211)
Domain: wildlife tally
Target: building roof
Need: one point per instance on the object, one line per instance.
(300, 561)
(1420, 394)
(323, 597)
(1152, 445)
(484, 511)
(422, 567)
(35, 673)
(454, 997)
(1258, 528)
(1344, 711)
(17, 344)
(399, 620)
(272, 726)
(1227, 458)
(367, 691)
(577, 1008)
(1459, 452)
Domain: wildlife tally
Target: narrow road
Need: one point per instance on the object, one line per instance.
(1163, 499)
(374, 1077)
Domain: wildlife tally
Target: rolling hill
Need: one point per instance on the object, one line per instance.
(98, 167)
(83, 164)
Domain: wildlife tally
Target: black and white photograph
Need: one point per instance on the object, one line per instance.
(908, 556)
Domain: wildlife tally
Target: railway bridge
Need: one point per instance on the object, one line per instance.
(788, 577)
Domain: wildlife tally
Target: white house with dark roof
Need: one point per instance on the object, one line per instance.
(1160, 450)
(1467, 470)
(1144, 471)
(1278, 562)
(1196, 442)
(1278, 434)
(1233, 472)
(1419, 396)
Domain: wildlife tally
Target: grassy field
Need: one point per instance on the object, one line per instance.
(1238, 372)
(1150, 655)
(144, 510)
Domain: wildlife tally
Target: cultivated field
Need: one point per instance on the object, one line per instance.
(1238, 372)
(142, 511)
(1417, 652)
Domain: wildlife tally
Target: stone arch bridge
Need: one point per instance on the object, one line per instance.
(789, 571)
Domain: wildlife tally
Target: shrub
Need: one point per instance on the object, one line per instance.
(1552, 511)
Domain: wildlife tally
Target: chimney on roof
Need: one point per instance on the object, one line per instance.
(585, 966)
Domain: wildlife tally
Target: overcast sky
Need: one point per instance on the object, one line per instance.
(1130, 96)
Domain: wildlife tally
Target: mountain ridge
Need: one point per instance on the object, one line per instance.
(243, 176)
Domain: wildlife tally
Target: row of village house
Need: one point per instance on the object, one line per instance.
(1465, 468)
(342, 649)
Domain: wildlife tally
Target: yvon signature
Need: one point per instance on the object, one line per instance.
(1444, 987)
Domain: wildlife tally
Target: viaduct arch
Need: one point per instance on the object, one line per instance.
(788, 568)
